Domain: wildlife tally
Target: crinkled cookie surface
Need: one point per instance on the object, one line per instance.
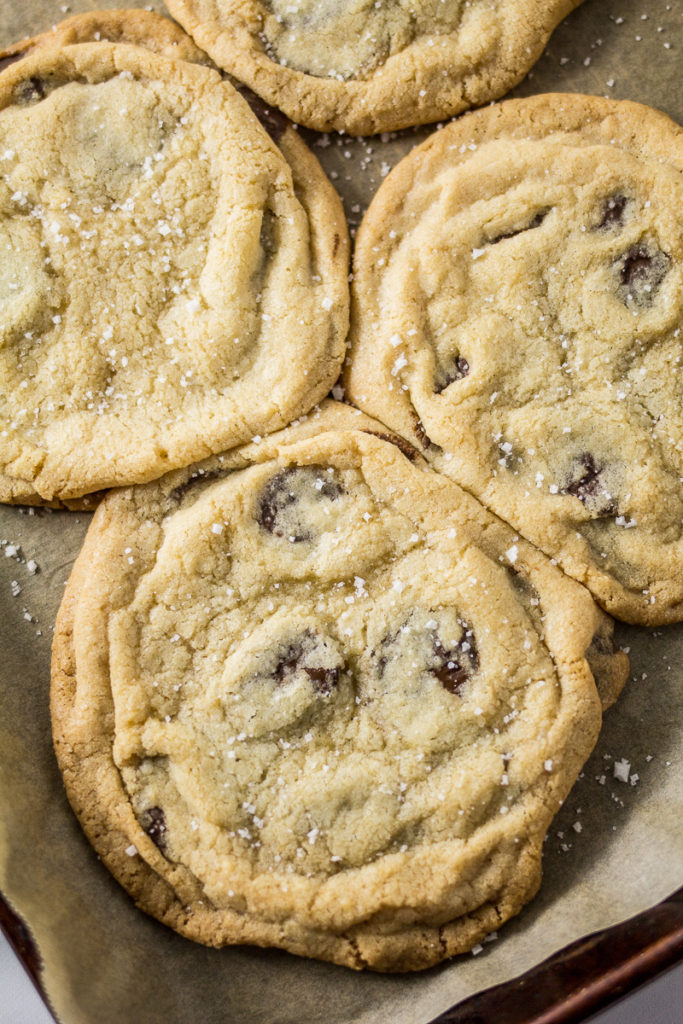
(338, 705)
(369, 67)
(171, 285)
(518, 313)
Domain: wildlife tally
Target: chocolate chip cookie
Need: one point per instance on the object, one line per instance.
(518, 314)
(173, 283)
(136, 27)
(364, 68)
(310, 694)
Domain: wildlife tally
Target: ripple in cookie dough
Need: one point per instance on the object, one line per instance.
(173, 284)
(312, 695)
(518, 312)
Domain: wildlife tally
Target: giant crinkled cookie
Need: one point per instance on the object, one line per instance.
(518, 312)
(368, 67)
(172, 285)
(312, 695)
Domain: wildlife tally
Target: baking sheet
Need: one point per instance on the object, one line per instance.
(615, 849)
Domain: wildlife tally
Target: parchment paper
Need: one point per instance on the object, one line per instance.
(615, 849)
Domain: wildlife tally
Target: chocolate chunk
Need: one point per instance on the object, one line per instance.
(153, 822)
(587, 484)
(613, 212)
(535, 222)
(641, 271)
(458, 369)
(283, 491)
(457, 664)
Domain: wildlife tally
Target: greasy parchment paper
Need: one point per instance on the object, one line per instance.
(615, 849)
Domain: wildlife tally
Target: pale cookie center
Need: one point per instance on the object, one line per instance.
(350, 39)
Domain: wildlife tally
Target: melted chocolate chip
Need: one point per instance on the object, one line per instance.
(641, 271)
(267, 233)
(279, 494)
(288, 661)
(413, 650)
(535, 222)
(324, 679)
(587, 484)
(153, 822)
(459, 369)
(457, 664)
(613, 212)
(274, 498)
(402, 445)
(422, 433)
(32, 90)
(195, 481)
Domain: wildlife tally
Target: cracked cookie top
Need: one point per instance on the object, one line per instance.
(518, 314)
(366, 67)
(171, 285)
(313, 695)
